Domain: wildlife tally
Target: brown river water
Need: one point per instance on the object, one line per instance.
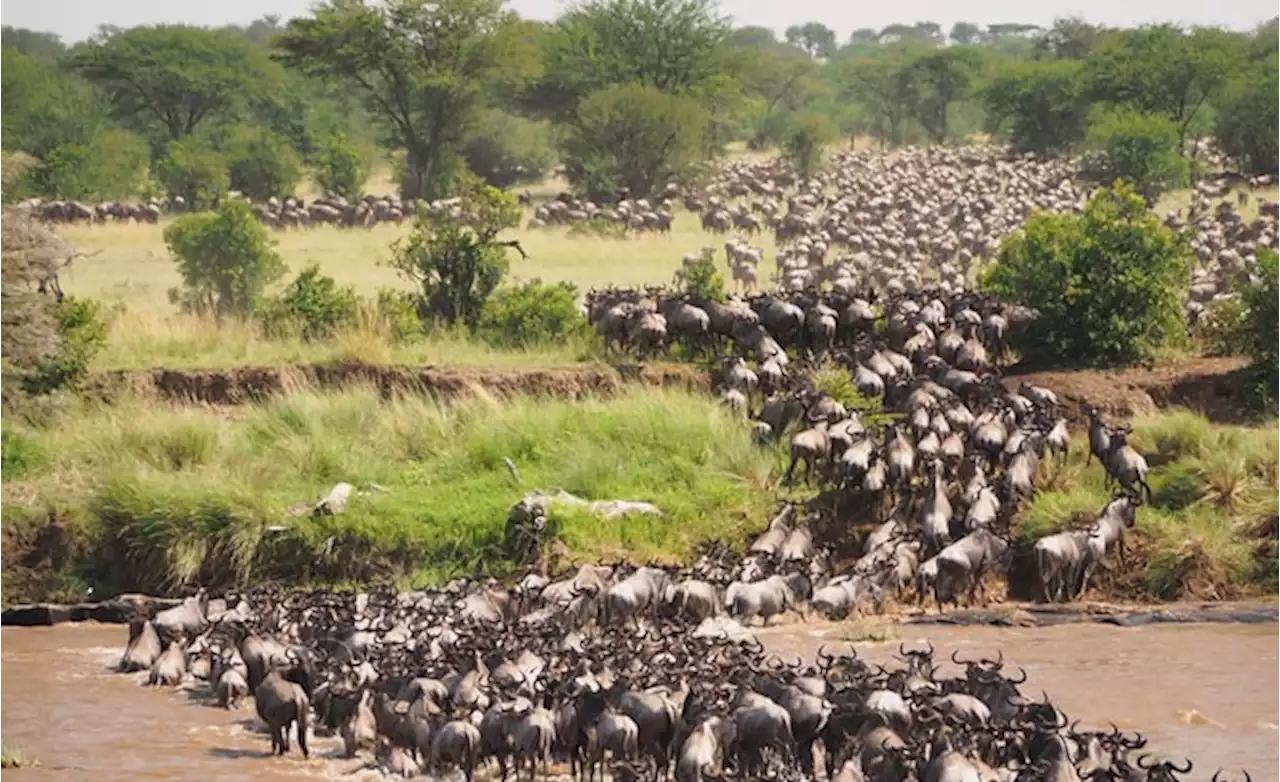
(1204, 691)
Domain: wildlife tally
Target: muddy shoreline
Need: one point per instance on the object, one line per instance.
(124, 608)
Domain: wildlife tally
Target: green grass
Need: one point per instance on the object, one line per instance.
(1213, 488)
(169, 495)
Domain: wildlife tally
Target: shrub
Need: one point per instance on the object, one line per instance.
(261, 164)
(1221, 329)
(1141, 149)
(82, 328)
(341, 169)
(1262, 324)
(1106, 284)
(226, 260)
(703, 280)
(312, 305)
(805, 139)
(837, 382)
(111, 165)
(398, 310)
(506, 149)
(194, 171)
(458, 264)
(632, 137)
(1246, 117)
(532, 314)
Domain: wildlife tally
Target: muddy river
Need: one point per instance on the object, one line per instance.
(1205, 691)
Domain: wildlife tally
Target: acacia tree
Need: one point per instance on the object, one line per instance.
(174, 76)
(674, 46)
(885, 85)
(421, 66)
(1162, 69)
(815, 38)
(942, 77)
(1042, 103)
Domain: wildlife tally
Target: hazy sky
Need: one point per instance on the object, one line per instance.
(77, 19)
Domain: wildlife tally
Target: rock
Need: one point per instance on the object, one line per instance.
(335, 502)
(38, 615)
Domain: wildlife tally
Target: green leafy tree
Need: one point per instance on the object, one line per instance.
(194, 171)
(1070, 38)
(261, 164)
(942, 77)
(457, 264)
(1141, 149)
(41, 45)
(805, 141)
(814, 38)
(672, 46)
(1247, 117)
(111, 165)
(780, 77)
(1262, 319)
(703, 281)
(174, 77)
(421, 67)
(967, 34)
(886, 86)
(341, 169)
(1041, 104)
(226, 259)
(633, 137)
(533, 314)
(1106, 284)
(504, 149)
(1162, 69)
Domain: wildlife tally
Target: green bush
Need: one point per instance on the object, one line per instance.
(398, 311)
(111, 165)
(702, 279)
(194, 171)
(532, 314)
(805, 139)
(312, 306)
(261, 164)
(82, 328)
(506, 149)
(1246, 117)
(1222, 329)
(1263, 326)
(1106, 284)
(226, 259)
(456, 265)
(1141, 149)
(632, 137)
(341, 170)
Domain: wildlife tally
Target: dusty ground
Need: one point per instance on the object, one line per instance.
(1209, 385)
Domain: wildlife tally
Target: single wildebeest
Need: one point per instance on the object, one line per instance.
(283, 699)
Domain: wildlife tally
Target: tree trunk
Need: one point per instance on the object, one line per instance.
(416, 179)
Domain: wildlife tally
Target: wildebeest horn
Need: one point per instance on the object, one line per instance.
(1019, 681)
(1142, 765)
(956, 659)
(931, 649)
(1215, 775)
(1186, 770)
(902, 649)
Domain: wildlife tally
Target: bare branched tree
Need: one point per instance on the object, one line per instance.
(31, 256)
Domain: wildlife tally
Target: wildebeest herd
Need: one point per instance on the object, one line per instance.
(615, 670)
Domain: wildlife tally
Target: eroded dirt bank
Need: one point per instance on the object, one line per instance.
(1205, 691)
(1211, 385)
(247, 384)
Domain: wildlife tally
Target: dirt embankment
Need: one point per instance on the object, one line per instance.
(1212, 386)
(248, 384)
